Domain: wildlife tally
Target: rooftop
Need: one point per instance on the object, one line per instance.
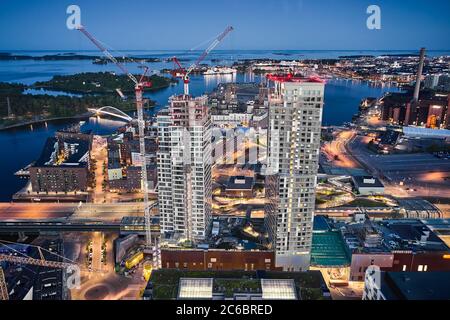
(390, 235)
(416, 285)
(240, 183)
(170, 284)
(367, 181)
(293, 78)
(63, 152)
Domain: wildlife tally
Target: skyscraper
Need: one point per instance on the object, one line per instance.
(184, 167)
(295, 116)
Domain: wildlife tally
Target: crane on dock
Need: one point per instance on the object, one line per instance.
(183, 73)
(139, 87)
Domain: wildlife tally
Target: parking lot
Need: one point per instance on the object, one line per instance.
(417, 174)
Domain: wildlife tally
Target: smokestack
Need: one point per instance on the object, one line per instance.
(419, 75)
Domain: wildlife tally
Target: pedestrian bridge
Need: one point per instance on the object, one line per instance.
(110, 111)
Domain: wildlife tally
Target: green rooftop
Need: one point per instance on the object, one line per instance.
(329, 250)
(166, 282)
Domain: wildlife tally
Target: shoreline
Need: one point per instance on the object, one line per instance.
(79, 116)
(23, 124)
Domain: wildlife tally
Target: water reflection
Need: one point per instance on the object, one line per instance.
(213, 80)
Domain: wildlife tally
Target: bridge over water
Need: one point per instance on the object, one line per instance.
(111, 111)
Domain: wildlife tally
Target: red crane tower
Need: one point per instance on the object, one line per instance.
(183, 73)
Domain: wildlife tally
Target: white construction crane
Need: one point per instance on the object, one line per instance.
(140, 85)
(183, 73)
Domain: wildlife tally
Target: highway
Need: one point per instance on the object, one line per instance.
(52, 211)
(35, 211)
(24, 226)
(336, 152)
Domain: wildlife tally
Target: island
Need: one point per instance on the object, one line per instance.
(99, 89)
(100, 83)
(6, 56)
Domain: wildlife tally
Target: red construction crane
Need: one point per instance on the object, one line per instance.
(140, 85)
(183, 73)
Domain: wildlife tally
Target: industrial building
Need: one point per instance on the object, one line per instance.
(430, 111)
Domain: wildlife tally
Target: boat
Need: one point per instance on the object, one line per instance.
(219, 71)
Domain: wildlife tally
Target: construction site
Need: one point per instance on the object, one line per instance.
(104, 262)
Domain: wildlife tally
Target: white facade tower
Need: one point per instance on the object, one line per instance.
(184, 167)
(295, 115)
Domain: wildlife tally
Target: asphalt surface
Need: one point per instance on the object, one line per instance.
(422, 174)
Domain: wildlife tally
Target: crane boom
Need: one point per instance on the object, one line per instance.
(108, 54)
(211, 47)
(181, 72)
(35, 262)
(139, 89)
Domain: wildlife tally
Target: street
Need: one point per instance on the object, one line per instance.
(421, 174)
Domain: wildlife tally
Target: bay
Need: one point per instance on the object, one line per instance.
(20, 146)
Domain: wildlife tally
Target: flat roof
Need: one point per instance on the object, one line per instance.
(361, 183)
(320, 224)
(166, 282)
(240, 183)
(419, 131)
(80, 148)
(419, 285)
(294, 78)
(411, 231)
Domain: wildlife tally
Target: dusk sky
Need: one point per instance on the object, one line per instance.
(259, 24)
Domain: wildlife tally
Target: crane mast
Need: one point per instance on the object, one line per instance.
(139, 89)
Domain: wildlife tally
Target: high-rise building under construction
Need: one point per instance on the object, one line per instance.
(184, 167)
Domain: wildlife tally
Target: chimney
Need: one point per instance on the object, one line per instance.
(419, 75)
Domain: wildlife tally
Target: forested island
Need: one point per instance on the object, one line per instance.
(99, 83)
(99, 89)
(5, 56)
